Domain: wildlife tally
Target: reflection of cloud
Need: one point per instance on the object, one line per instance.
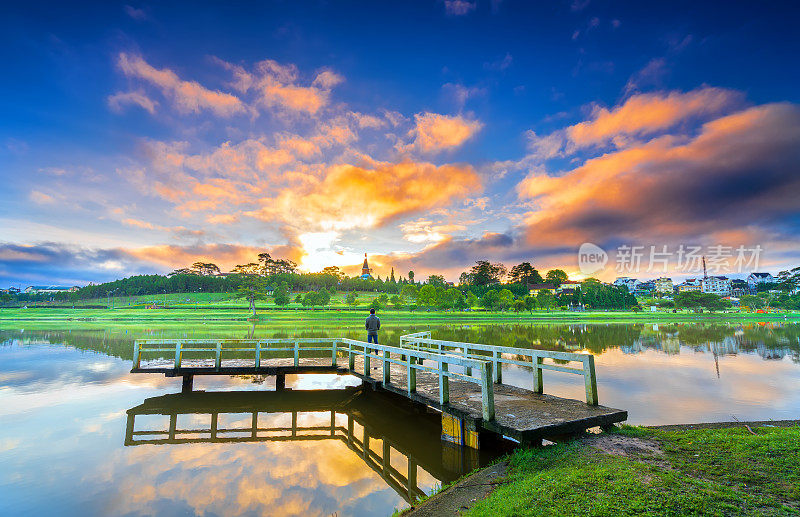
(298, 478)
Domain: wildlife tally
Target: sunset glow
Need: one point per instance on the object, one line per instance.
(141, 138)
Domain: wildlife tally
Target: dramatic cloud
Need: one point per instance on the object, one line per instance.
(739, 173)
(425, 230)
(452, 256)
(647, 113)
(435, 132)
(118, 101)
(352, 196)
(640, 116)
(224, 255)
(60, 263)
(189, 96)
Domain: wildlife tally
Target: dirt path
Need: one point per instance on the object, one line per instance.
(463, 495)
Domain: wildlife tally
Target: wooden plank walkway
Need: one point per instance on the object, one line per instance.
(520, 414)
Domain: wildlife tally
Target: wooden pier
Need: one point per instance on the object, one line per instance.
(462, 380)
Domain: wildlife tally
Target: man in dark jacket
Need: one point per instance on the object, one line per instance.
(373, 325)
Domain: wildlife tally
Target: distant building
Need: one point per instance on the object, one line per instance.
(740, 288)
(664, 285)
(719, 285)
(533, 289)
(568, 285)
(759, 278)
(691, 284)
(366, 272)
(627, 282)
(49, 289)
(644, 289)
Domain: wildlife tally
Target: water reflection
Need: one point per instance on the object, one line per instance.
(397, 440)
(67, 385)
(773, 340)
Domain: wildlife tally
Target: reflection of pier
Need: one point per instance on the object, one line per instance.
(393, 437)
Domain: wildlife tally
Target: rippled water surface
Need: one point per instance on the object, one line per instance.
(81, 435)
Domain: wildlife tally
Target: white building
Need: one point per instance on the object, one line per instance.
(627, 282)
(759, 278)
(719, 285)
(49, 289)
(691, 284)
(663, 285)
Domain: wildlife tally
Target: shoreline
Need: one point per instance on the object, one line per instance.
(240, 314)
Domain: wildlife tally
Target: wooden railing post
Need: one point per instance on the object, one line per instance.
(137, 355)
(444, 383)
(468, 369)
(538, 384)
(487, 391)
(296, 354)
(334, 352)
(258, 355)
(351, 357)
(590, 380)
(412, 374)
(218, 358)
(496, 368)
(366, 361)
(387, 368)
(177, 354)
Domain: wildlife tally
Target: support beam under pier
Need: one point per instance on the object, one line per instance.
(188, 383)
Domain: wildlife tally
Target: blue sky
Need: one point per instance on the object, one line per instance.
(137, 137)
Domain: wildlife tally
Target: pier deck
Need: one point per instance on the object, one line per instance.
(440, 378)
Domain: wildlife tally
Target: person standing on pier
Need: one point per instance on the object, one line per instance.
(373, 325)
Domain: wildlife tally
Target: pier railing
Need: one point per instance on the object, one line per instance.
(239, 347)
(499, 355)
(412, 359)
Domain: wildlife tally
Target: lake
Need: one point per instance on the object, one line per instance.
(81, 435)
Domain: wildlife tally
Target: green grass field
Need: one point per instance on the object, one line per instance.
(230, 307)
(687, 472)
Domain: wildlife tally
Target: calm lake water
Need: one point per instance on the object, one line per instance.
(81, 435)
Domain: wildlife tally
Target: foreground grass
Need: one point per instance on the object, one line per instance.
(698, 472)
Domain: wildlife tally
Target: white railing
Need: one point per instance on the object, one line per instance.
(413, 360)
(499, 355)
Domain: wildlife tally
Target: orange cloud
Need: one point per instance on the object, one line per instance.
(647, 113)
(189, 96)
(360, 197)
(276, 86)
(224, 255)
(435, 132)
(739, 172)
